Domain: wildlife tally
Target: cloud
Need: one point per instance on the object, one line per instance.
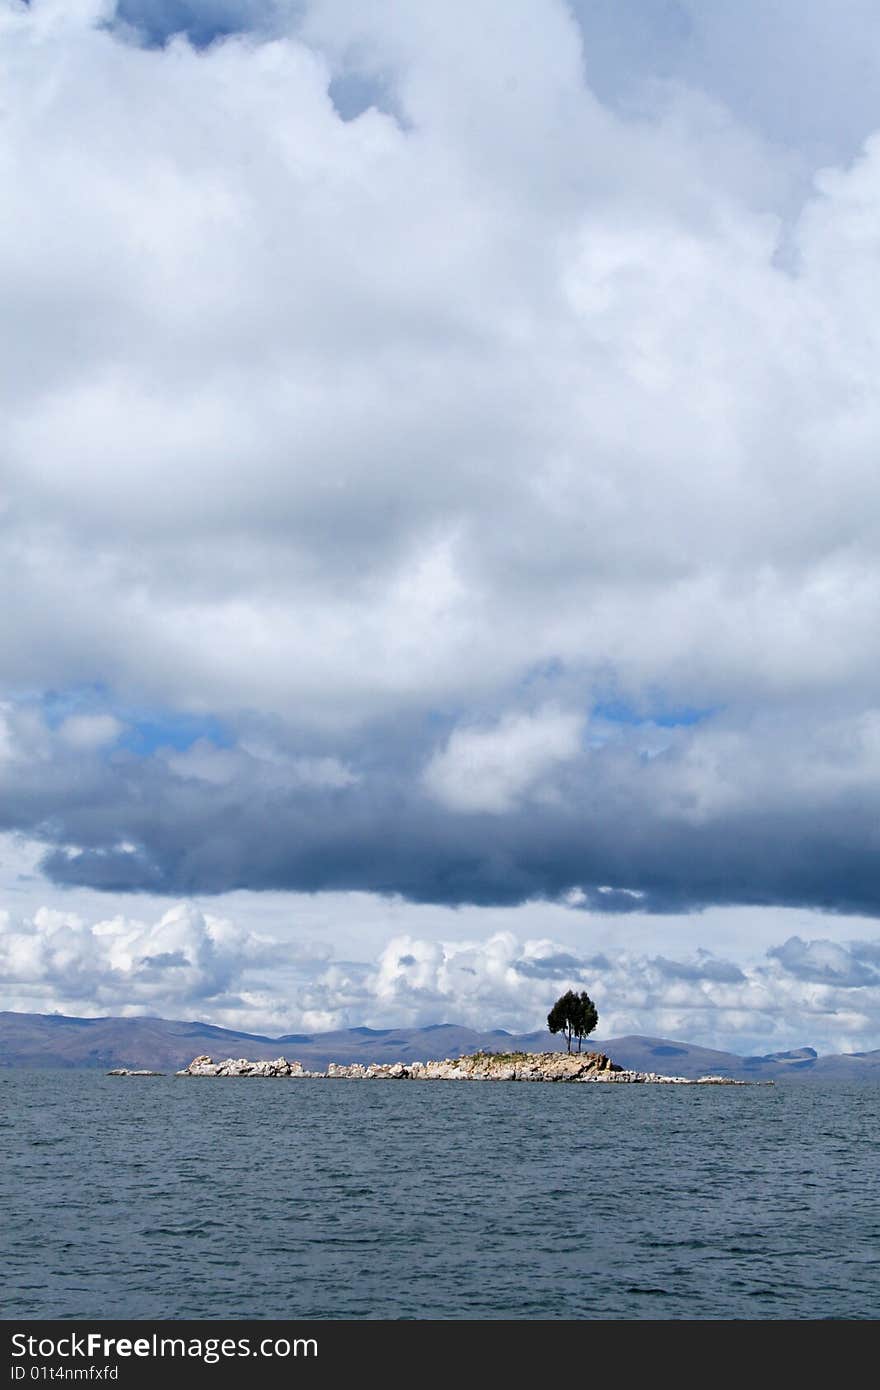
(491, 769)
(559, 965)
(89, 731)
(184, 957)
(704, 968)
(708, 815)
(504, 981)
(400, 445)
(852, 966)
(793, 71)
(190, 963)
(186, 962)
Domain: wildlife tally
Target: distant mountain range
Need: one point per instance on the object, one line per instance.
(52, 1041)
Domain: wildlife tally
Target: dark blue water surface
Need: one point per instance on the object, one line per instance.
(176, 1197)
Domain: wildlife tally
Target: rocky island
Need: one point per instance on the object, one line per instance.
(128, 1071)
(480, 1066)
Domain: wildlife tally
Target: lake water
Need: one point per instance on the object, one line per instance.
(173, 1197)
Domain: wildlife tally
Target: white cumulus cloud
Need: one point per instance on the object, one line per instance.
(492, 768)
(190, 963)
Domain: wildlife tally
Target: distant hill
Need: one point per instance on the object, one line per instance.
(686, 1059)
(52, 1041)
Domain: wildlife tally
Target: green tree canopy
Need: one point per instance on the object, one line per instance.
(575, 1015)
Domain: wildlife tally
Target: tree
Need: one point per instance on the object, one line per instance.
(574, 1015)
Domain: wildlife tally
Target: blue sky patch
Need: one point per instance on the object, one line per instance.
(145, 729)
(665, 717)
(202, 21)
(167, 730)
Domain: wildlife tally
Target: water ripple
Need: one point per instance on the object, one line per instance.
(308, 1200)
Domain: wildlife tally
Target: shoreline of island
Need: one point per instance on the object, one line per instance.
(585, 1067)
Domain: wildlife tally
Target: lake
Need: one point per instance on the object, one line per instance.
(184, 1198)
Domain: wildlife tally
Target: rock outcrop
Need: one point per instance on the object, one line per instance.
(482, 1066)
(240, 1066)
(126, 1071)
(490, 1066)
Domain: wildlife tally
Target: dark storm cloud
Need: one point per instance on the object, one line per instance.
(610, 829)
(352, 841)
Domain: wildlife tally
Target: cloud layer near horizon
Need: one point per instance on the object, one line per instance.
(489, 479)
(190, 963)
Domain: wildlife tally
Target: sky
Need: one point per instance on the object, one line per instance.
(439, 514)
